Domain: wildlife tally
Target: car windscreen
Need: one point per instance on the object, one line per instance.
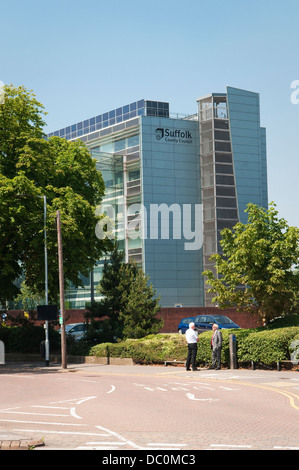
(222, 319)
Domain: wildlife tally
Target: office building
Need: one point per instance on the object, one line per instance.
(173, 183)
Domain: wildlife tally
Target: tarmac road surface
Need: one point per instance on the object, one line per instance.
(149, 408)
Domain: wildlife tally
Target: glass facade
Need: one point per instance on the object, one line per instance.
(116, 116)
(173, 183)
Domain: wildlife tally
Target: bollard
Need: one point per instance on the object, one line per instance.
(233, 351)
(108, 355)
(2, 353)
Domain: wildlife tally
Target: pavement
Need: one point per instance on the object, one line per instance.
(14, 441)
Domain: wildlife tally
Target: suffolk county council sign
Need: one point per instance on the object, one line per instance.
(174, 136)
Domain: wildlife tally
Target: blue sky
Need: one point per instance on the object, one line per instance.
(82, 58)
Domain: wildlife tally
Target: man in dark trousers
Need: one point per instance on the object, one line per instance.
(192, 339)
(216, 346)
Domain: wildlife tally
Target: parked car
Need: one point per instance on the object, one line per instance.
(76, 330)
(205, 322)
(184, 325)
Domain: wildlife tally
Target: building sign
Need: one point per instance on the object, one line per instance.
(173, 136)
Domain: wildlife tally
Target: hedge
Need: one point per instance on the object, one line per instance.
(152, 349)
(265, 346)
(259, 345)
(268, 346)
(27, 338)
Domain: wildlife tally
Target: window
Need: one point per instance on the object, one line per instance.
(224, 191)
(226, 202)
(225, 180)
(133, 141)
(223, 157)
(226, 169)
(223, 146)
(119, 145)
(221, 135)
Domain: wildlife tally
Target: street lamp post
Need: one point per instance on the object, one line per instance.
(47, 344)
(61, 292)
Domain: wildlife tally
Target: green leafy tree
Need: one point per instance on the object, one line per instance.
(257, 271)
(32, 167)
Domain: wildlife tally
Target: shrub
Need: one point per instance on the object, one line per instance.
(150, 350)
(27, 338)
(204, 353)
(267, 346)
(259, 345)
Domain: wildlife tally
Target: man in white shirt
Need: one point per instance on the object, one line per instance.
(192, 339)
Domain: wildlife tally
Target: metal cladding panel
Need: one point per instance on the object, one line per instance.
(249, 149)
(171, 179)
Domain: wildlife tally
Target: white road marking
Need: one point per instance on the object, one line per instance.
(77, 433)
(96, 448)
(191, 396)
(237, 446)
(36, 414)
(74, 414)
(40, 422)
(76, 401)
(165, 444)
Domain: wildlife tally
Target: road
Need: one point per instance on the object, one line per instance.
(151, 408)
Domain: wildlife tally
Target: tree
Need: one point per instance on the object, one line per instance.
(127, 300)
(32, 167)
(139, 304)
(107, 309)
(256, 271)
